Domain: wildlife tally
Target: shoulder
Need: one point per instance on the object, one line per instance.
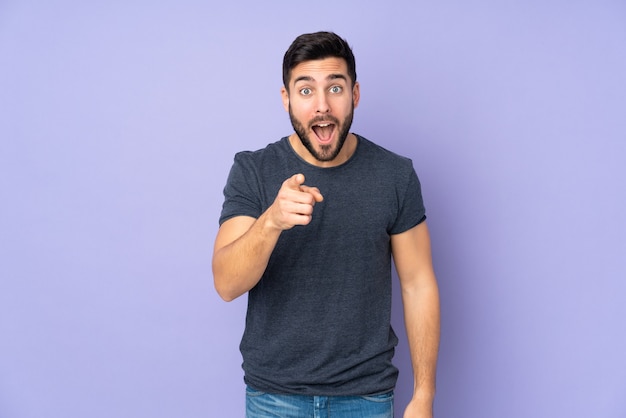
(263, 159)
(378, 156)
(273, 150)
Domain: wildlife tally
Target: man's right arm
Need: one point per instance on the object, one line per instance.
(243, 245)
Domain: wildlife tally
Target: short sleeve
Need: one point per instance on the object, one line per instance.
(411, 210)
(241, 193)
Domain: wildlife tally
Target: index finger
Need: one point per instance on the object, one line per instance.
(314, 191)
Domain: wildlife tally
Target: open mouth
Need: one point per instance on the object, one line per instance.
(324, 131)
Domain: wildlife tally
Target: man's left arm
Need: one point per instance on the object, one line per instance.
(420, 297)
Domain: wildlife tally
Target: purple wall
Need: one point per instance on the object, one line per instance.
(118, 123)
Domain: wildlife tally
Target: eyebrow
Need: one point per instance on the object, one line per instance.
(329, 77)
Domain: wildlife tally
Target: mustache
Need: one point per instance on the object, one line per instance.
(325, 119)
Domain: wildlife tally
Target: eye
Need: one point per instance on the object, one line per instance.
(305, 91)
(336, 89)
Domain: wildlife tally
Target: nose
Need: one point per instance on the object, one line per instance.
(322, 104)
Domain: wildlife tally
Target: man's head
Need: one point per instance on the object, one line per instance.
(320, 93)
(316, 46)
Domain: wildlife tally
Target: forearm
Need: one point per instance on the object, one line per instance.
(244, 245)
(422, 320)
(238, 266)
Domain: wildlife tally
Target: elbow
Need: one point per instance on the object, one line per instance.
(223, 290)
(228, 284)
(224, 286)
(220, 283)
(226, 297)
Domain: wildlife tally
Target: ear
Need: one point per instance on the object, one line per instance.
(356, 94)
(285, 96)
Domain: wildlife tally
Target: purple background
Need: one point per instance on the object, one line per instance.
(118, 124)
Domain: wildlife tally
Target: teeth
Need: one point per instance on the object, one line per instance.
(323, 125)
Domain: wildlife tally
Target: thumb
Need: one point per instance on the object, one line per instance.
(295, 181)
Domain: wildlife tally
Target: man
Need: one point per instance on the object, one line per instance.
(308, 229)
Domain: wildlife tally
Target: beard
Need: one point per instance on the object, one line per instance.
(325, 152)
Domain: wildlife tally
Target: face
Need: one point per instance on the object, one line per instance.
(321, 102)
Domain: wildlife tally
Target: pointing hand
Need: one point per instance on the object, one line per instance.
(294, 203)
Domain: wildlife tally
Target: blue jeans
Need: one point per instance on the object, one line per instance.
(265, 405)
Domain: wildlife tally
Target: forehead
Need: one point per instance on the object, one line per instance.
(319, 70)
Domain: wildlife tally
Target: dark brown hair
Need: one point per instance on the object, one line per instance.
(316, 46)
